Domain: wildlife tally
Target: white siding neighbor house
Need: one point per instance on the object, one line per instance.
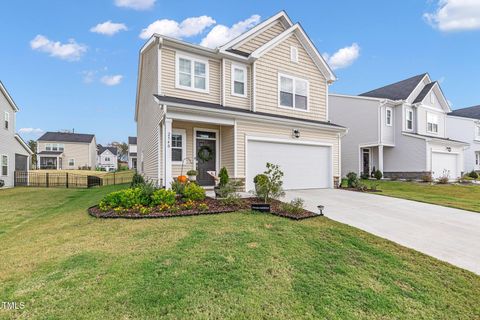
(15, 155)
(132, 153)
(259, 98)
(66, 151)
(399, 129)
(464, 124)
(107, 158)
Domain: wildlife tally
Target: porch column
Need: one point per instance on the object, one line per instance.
(168, 152)
(380, 158)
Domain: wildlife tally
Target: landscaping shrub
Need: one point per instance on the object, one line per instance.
(427, 178)
(296, 206)
(137, 180)
(223, 176)
(194, 192)
(361, 186)
(163, 196)
(231, 200)
(146, 192)
(364, 176)
(229, 189)
(473, 174)
(270, 186)
(378, 174)
(374, 186)
(121, 199)
(202, 207)
(444, 178)
(178, 187)
(352, 180)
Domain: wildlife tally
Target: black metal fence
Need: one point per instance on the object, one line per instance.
(53, 179)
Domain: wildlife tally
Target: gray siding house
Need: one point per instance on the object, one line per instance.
(107, 158)
(464, 124)
(399, 129)
(15, 155)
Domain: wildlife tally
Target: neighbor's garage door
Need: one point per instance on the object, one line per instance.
(444, 163)
(305, 166)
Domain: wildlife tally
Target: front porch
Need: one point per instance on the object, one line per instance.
(371, 158)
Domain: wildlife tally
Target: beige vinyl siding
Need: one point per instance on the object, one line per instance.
(72, 150)
(149, 116)
(263, 37)
(252, 128)
(278, 61)
(227, 147)
(168, 79)
(235, 101)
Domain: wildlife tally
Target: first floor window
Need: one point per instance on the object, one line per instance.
(409, 119)
(192, 73)
(293, 92)
(432, 123)
(178, 146)
(107, 159)
(71, 162)
(477, 158)
(7, 120)
(388, 115)
(4, 165)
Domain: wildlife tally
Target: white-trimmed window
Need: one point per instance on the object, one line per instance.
(4, 163)
(48, 147)
(7, 120)
(71, 162)
(107, 159)
(293, 92)
(239, 80)
(293, 54)
(432, 123)
(179, 150)
(388, 116)
(192, 73)
(409, 119)
(477, 132)
(477, 159)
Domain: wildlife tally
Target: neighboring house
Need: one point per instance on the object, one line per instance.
(132, 153)
(260, 98)
(107, 158)
(14, 152)
(64, 150)
(464, 124)
(399, 129)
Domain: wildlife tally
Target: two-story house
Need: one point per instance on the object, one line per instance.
(464, 124)
(400, 129)
(262, 97)
(14, 153)
(132, 153)
(66, 151)
(107, 158)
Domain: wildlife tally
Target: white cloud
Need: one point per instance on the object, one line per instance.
(89, 76)
(111, 80)
(135, 4)
(31, 130)
(109, 28)
(455, 15)
(70, 51)
(221, 34)
(343, 57)
(187, 28)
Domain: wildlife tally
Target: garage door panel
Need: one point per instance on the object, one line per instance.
(304, 166)
(444, 163)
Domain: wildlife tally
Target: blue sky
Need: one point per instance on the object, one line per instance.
(87, 81)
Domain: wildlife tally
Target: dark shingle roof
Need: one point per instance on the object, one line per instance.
(101, 149)
(470, 112)
(132, 140)
(424, 92)
(396, 91)
(67, 137)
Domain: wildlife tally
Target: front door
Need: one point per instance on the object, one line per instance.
(206, 156)
(366, 161)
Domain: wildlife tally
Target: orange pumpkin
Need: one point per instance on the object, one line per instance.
(182, 179)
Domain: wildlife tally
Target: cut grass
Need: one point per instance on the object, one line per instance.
(466, 197)
(64, 264)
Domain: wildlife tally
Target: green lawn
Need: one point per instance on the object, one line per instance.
(64, 264)
(465, 197)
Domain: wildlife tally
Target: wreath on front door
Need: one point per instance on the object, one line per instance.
(205, 153)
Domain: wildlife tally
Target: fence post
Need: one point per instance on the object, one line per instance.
(114, 178)
(46, 178)
(66, 181)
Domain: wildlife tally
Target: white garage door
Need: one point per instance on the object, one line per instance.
(305, 166)
(444, 163)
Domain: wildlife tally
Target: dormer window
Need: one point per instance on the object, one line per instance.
(432, 123)
(388, 116)
(7, 120)
(294, 54)
(192, 73)
(239, 80)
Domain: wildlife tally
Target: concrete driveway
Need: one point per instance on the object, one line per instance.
(447, 234)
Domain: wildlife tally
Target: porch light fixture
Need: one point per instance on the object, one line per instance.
(320, 208)
(296, 133)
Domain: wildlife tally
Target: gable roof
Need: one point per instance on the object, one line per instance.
(67, 137)
(396, 91)
(102, 149)
(424, 92)
(470, 112)
(23, 144)
(132, 140)
(9, 97)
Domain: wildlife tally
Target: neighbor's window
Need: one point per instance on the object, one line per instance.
(477, 158)
(432, 123)
(192, 73)
(178, 145)
(294, 54)
(293, 92)
(409, 119)
(7, 120)
(388, 116)
(48, 147)
(239, 80)
(477, 132)
(4, 165)
(107, 159)
(61, 147)
(71, 162)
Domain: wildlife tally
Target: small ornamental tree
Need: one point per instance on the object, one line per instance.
(270, 187)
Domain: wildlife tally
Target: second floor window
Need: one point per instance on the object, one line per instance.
(409, 119)
(293, 92)
(7, 120)
(107, 159)
(477, 132)
(432, 123)
(388, 116)
(192, 73)
(239, 80)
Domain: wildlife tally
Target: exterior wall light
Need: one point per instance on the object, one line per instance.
(296, 133)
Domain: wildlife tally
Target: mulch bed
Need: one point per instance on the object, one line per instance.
(214, 207)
